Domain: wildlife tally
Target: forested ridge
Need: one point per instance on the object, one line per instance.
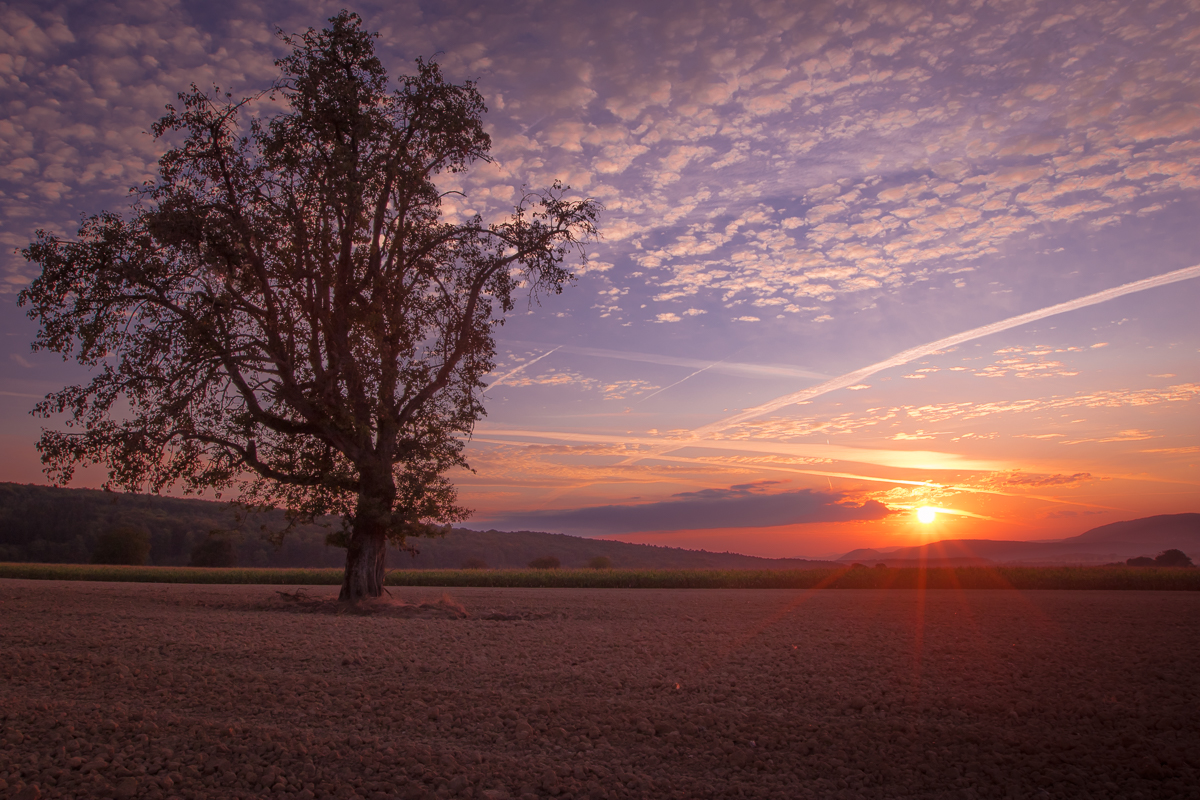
(55, 525)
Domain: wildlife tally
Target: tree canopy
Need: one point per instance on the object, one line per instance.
(285, 311)
(1173, 558)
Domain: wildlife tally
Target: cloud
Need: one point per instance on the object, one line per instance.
(1015, 478)
(920, 434)
(610, 390)
(1132, 435)
(1027, 363)
(655, 445)
(875, 420)
(966, 410)
(715, 104)
(739, 506)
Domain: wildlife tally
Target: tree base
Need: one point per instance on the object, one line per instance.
(365, 568)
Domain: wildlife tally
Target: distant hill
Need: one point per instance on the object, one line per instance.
(48, 524)
(43, 523)
(1115, 542)
(1163, 531)
(516, 549)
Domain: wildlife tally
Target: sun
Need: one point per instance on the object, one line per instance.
(926, 515)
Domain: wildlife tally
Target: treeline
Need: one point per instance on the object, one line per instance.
(77, 526)
(66, 526)
(1167, 558)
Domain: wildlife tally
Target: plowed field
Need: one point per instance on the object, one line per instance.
(149, 691)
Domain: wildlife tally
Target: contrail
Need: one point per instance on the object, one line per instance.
(676, 383)
(506, 375)
(923, 350)
(903, 459)
(737, 368)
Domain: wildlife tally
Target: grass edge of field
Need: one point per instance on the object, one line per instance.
(1000, 577)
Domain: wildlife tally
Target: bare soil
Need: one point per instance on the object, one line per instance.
(154, 691)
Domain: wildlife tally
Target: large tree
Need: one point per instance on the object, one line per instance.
(284, 311)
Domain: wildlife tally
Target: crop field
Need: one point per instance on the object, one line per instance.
(1135, 578)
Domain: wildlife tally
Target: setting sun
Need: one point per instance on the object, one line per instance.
(926, 515)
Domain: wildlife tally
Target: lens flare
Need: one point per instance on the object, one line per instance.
(926, 515)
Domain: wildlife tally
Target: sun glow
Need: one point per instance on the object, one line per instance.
(926, 515)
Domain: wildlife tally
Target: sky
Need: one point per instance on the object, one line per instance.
(858, 258)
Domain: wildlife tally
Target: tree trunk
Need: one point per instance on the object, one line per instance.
(366, 555)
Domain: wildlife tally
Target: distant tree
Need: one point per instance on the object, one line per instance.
(475, 563)
(545, 562)
(857, 565)
(1140, 561)
(214, 552)
(123, 544)
(599, 562)
(1173, 558)
(284, 311)
(881, 566)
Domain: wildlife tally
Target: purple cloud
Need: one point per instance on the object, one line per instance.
(740, 506)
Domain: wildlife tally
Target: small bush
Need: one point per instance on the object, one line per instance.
(1140, 561)
(475, 563)
(599, 562)
(545, 562)
(1173, 558)
(124, 544)
(214, 552)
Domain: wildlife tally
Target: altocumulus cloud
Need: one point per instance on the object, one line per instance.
(742, 506)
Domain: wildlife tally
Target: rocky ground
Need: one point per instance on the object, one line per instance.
(154, 691)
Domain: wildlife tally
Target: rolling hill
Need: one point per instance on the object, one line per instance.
(1108, 543)
(42, 523)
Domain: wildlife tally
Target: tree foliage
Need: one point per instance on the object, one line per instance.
(122, 545)
(286, 312)
(1173, 558)
(215, 551)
